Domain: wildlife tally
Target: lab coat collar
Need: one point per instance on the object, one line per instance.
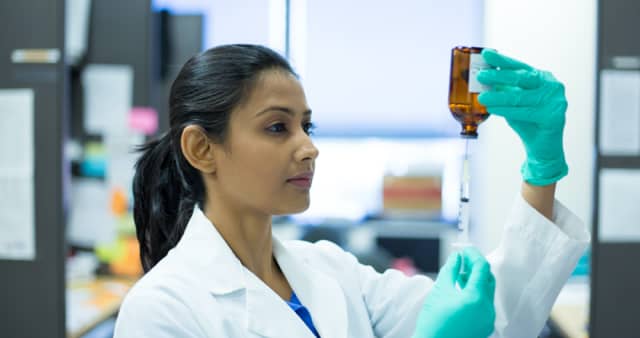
(211, 256)
(270, 316)
(321, 294)
(267, 314)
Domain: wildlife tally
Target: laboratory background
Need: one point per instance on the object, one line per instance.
(82, 82)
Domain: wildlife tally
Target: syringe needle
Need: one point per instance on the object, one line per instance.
(463, 216)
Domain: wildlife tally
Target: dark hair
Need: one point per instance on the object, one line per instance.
(165, 186)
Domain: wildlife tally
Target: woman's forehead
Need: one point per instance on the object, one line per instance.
(277, 87)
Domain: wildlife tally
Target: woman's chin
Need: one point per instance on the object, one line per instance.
(294, 208)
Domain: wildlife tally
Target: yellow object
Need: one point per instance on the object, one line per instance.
(111, 252)
(123, 256)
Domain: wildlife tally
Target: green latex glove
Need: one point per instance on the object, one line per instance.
(462, 311)
(534, 105)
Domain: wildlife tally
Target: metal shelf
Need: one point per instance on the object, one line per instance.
(619, 162)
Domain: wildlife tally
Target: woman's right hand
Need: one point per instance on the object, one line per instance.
(466, 311)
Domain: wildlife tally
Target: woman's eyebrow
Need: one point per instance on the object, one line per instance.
(285, 110)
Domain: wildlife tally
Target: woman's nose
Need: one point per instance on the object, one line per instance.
(307, 151)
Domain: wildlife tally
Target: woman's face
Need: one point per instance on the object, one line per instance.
(268, 162)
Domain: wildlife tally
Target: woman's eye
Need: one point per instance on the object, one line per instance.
(277, 128)
(309, 127)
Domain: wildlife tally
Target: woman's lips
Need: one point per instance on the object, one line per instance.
(301, 182)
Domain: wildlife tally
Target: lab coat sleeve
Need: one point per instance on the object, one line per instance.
(531, 264)
(392, 300)
(155, 313)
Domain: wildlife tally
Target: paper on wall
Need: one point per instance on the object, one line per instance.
(620, 112)
(108, 96)
(17, 220)
(76, 29)
(619, 212)
(91, 222)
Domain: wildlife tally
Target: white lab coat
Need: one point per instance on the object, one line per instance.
(200, 289)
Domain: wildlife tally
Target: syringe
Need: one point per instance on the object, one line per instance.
(465, 203)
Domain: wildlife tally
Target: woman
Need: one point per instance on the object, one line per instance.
(238, 152)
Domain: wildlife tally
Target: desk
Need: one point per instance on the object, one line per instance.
(571, 310)
(91, 302)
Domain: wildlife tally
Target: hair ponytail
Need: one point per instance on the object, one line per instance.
(164, 200)
(165, 186)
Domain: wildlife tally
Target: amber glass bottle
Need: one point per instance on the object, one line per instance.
(464, 89)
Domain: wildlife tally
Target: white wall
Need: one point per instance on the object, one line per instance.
(236, 21)
(239, 21)
(559, 36)
(380, 67)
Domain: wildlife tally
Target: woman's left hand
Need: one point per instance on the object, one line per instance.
(460, 305)
(534, 104)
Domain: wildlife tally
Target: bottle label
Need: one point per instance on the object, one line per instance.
(476, 64)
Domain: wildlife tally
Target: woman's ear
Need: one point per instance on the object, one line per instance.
(197, 149)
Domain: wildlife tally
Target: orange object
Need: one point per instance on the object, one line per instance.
(129, 263)
(119, 204)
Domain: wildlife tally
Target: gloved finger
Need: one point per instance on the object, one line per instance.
(512, 97)
(527, 79)
(480, 278)
(449, 272)
(463, 279)
(470, 256)
(495, 59)
(490, 285)
(526, 114)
